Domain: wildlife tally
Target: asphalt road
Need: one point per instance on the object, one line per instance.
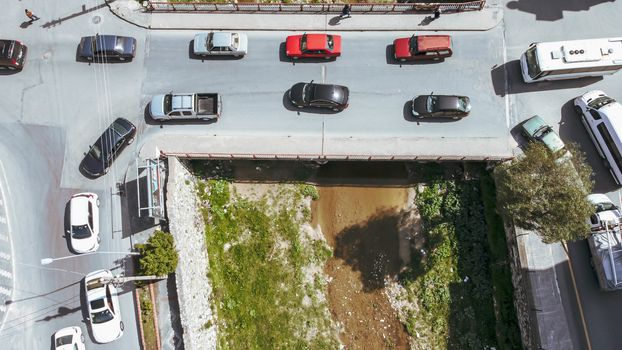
(52, 111)
(563, 20)
(49, 114)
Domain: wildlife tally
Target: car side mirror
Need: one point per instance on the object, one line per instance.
(311, 81)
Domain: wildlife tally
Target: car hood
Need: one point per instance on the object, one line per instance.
(553, 142)
(200, 42)
(295, 94)
(419, 105)
(402, 47)
(108, 331)
(292, 45)
(156, 108)
(91, 166)
(84, 245)
(86, 47)
(243, 46)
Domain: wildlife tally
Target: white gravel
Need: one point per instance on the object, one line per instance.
(193, 287)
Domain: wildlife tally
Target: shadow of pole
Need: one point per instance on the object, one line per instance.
(84, 10)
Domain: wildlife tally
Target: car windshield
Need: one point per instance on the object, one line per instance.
(64, 340)
(80, 231)
(329, 42)
(306, 92)
(413, 44)
(120, 129)
(102, 316)
(303, 43)
(542, 130)
(168, 103)
(599, 102)
(605, 206)
(432, 104)
(533, 68)
(96, 152)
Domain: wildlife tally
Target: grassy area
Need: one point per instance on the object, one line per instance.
(146, 313)
(265, 269)
(460, 281)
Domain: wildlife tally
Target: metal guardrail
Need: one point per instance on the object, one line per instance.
(329, 157)
(360, 8)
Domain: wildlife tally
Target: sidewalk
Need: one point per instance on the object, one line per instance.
(131, 11)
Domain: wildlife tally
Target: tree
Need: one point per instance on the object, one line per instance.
(546, 193)
(158, 256)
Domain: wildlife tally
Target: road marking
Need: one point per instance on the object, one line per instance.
(576, 292)
(5, 256)
(4, 238)
(2, 308)
(323, 73)
(2, 219)
(5, 291)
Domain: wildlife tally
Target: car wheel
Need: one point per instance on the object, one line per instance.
(121, 325)
(578, 110)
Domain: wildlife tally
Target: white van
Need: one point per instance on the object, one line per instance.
(602, 117)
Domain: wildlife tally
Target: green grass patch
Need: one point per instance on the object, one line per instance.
(460, 281)
(264, 296)
(146, 314)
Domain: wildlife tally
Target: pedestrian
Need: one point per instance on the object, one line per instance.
(31, 15)
(437, 13)
(345, 13)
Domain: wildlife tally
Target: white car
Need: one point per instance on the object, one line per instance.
(103, 306)
(70, 338)
(220, 44)
(84, 222)
(597, 102)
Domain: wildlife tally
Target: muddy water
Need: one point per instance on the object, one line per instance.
(362, 224)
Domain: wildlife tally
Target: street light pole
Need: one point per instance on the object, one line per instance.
(46, 261)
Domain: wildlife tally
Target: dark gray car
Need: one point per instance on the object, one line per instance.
(455, 107)
(311, 94)
(104, 151)
(107, 47)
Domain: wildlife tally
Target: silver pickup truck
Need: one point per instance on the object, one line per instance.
(171, 106)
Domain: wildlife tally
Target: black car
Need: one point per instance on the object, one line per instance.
(106, 47)
(311, 94)
(455, 107)
(12, 54)
(101, 155)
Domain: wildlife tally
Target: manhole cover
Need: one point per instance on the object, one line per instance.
(96, 19)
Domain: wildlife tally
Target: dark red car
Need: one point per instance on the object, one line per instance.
(422, 47)
(313, 46)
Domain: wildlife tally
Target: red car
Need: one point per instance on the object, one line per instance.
(422, 47)
(313, 46)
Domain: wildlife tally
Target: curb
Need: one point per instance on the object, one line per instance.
(155, 317)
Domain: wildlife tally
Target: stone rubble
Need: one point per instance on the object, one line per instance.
(193, 287)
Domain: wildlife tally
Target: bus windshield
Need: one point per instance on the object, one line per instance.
(533, 68)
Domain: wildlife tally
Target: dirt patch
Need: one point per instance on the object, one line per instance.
(362, 225)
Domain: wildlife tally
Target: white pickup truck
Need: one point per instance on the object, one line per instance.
(206, 106)
(605, 242)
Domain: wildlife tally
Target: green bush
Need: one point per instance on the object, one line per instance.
(158, 256)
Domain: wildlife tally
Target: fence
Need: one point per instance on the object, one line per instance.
(329, 157)
(361, 8)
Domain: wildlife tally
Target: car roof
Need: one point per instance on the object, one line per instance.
(316, 41)
(222, 39)
(79, 210)
(448, 102)
(433, 42)
(328, 92)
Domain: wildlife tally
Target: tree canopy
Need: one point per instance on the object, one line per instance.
(158, 256)
(546, 193)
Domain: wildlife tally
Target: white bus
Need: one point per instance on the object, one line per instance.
(571, 59)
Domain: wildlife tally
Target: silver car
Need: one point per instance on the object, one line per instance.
(220, 44)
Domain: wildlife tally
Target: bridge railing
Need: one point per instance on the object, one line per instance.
(359, 8)
(329, 157)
